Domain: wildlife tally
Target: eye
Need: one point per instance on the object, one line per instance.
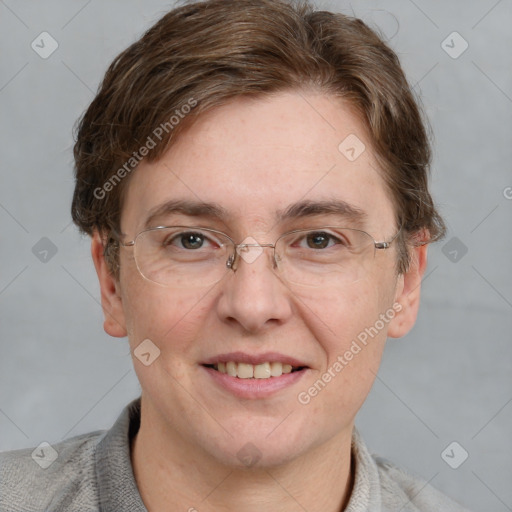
(190, 240)
(321, 240)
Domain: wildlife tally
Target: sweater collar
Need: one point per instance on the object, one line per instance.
(365, 496)
(118, 490)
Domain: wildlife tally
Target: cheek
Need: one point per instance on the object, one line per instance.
(350, 326)
(338, 316)
(170, 319)
(359, 336)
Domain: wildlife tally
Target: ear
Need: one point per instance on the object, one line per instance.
(408, 293)
(114, 323)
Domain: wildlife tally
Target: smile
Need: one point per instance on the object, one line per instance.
(265, 370)
(254, 376)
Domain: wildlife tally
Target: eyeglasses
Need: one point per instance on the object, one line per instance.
(191, 257)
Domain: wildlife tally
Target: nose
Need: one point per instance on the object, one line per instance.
(253, 296)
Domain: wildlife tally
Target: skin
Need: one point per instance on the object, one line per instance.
(253, 157)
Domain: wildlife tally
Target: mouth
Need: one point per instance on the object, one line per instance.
(266, 370)
(254, 376)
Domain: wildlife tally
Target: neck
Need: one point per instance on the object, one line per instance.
(173, 476)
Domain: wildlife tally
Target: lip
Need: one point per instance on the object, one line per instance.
(254, 388)
(244, 357)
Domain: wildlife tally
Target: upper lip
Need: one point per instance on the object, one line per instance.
(244, 357)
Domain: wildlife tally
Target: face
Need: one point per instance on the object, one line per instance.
(255, 159)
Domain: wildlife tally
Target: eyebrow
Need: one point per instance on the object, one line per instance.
(186, 207)
(334, 207)
(299, 210)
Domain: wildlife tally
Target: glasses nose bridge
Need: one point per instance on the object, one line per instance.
(255, 245)
(232, 262)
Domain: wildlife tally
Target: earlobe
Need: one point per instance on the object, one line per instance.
(114, 323)
(408, 293)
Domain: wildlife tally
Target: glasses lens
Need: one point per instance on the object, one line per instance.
(181, 256)
(325, 256)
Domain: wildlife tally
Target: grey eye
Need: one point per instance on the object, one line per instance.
(191, 240)
(186, 240)
(318, 240)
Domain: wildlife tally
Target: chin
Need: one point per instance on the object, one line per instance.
(259, 449)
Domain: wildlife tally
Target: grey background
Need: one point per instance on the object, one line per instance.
(448, 380)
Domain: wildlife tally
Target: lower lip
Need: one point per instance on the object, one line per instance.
(254, 388)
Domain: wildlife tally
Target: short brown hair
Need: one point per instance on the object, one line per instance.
(204, 54)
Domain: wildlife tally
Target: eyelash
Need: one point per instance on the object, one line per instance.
(333, 239)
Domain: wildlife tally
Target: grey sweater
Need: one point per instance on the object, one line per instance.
(93, 472)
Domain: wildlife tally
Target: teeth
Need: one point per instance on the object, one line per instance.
(276, 369)
(249, 371)
(245, 371)
(287, 368)
(231, 368)
(262, 371)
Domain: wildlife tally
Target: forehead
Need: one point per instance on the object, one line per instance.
(257, 157)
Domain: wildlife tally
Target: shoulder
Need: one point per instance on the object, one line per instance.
(51, 477)
(401, 490)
